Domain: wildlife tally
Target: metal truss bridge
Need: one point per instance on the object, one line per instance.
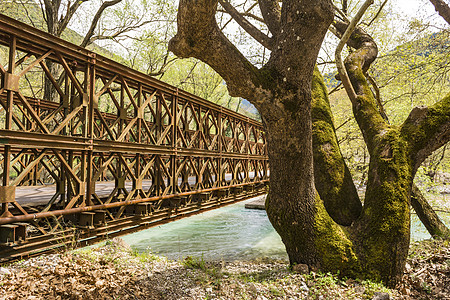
(91, 149)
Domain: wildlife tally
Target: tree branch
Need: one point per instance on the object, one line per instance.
(428, 128)
(345, 38)
(229, 21)
(377, 14)
(246, 14)
(95, 20)
(357, 63)
(427, 215)
(71, 9)
(332, 177)
(199, 36)
(442, 8)
(254, 32)
(342, 14)
(50, 16)
(271, 12)
(30, 19)
(119, 32)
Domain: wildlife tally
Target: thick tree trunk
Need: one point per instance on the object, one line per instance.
(427, 215)
(295, 210)
(332, 177)
(290, 154)
(384, 229)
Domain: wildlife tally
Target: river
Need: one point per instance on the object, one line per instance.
(229, 233)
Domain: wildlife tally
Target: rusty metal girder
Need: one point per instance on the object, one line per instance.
(89, 139)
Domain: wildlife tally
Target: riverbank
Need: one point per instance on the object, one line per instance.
(114, 271)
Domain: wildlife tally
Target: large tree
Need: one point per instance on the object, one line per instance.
(327, 228)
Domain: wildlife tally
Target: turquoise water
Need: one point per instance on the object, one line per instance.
(229, 233)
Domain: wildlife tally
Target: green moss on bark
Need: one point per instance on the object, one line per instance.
(334, 247)
(385, 225)
(332, 177)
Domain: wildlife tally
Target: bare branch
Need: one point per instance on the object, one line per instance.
(28, 14)
(337, 88)
(165, 64)
(246, 14)
(71, 9)
(377, 14)
(442, 8)
(262, 38)
(94, 22)
(199, 36)
(342, 14)
(339, 63)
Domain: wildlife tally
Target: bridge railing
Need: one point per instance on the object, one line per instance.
(88, 131)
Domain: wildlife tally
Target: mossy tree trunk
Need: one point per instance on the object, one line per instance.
(327, 229)
(383, 229)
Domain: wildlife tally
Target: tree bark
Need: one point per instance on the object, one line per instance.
(442, 8)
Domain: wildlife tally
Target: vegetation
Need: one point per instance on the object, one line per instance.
(125, 33)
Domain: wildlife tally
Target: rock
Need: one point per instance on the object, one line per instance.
(381, 296)
(304, 287)
(301, 269)
(5, 271)
(360, 289)
(120, 244)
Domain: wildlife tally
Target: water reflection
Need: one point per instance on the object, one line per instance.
(228, 233)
